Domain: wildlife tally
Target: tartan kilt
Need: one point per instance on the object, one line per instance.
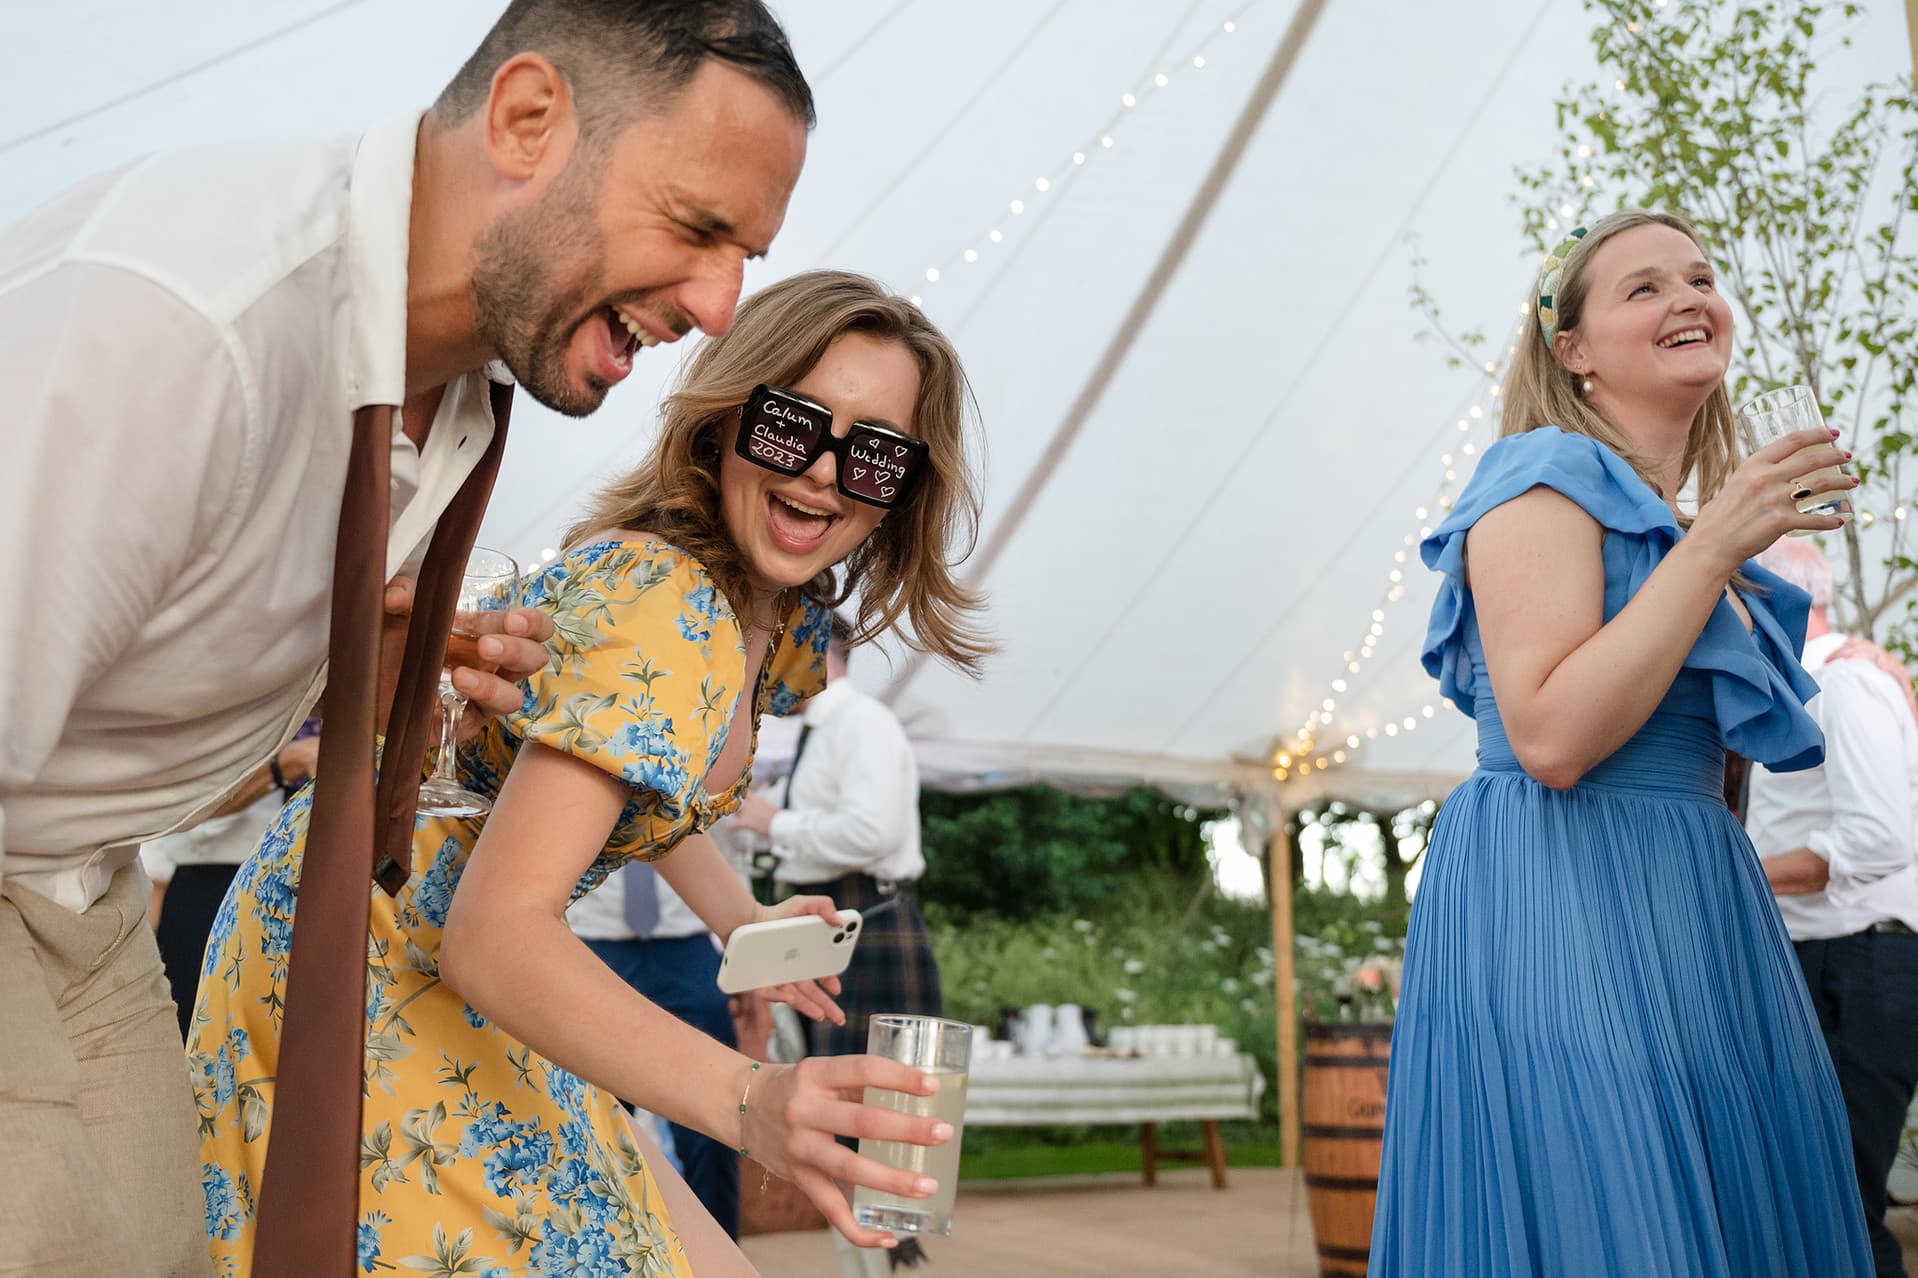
(892, 968)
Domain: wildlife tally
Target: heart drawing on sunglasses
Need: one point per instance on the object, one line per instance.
(858, 472)
(887, 492)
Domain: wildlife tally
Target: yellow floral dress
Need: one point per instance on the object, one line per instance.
(479, 1156)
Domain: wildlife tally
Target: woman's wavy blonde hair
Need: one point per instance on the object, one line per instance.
(1540, 391)
(906, 567)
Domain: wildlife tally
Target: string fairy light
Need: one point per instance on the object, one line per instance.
(1300, 753)
(1131, 102)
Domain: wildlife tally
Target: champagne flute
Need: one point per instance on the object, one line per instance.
(490, 584)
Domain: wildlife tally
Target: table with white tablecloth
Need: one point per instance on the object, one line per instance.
(1034, 1091)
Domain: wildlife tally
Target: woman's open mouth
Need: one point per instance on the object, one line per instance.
(797, 528)
(1685, 337)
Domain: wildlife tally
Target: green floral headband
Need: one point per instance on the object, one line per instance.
(1548, 280)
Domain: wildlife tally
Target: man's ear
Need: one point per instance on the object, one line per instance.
(529, 115)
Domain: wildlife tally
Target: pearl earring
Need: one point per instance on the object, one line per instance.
(1586, 386)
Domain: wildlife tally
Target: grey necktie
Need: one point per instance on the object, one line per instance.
(641, 883)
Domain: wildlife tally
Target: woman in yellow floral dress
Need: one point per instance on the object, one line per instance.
(813, 451)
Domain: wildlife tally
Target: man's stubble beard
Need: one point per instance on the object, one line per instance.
(518, 312)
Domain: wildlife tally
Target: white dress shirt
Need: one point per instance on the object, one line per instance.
(183, 343)
(853, 806)
(1859, 811)
(220, 840)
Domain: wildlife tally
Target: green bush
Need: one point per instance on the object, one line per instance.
(1036, 852)
(1153, 953)
(1336, 936)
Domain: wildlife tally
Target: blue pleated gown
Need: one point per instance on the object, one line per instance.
(1605, 1061)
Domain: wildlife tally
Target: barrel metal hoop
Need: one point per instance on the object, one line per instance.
(1316, 1181)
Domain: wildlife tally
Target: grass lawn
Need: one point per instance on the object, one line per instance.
(1011, 1153)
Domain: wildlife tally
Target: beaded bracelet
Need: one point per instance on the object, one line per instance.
(742, 1108)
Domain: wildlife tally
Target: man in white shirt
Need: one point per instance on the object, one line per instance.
(1840, 846)
(184, 343)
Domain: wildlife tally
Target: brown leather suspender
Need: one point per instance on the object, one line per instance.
(309, 1191)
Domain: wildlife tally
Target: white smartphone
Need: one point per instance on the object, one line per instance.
(805, 948)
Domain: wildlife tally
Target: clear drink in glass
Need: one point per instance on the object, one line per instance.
(1780, 412)
(942, 1048)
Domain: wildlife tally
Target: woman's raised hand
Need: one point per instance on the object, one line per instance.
(1759, 503)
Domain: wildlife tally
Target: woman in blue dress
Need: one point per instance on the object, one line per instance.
(1605, 1061)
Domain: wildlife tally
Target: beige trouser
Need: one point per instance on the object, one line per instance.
(100, 1169)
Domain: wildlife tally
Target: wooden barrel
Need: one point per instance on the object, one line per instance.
(1344, 1125)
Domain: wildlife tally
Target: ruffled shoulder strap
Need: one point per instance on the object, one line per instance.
(1577, 466)
(1771, 725)
(1758, 688)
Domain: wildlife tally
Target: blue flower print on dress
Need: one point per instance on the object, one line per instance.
(650, 736)
(369, 1241)
(781, 701)
(567, 1090)
(664, 779)
(519, 1163)
(226, 1063)
(220, 933)
(814, 629)
(276, 896)
(434, 895)
(586, 1254)
(223, 1217)
(809, 638)
(697, 618)
(488, 1129)
(575, 1139)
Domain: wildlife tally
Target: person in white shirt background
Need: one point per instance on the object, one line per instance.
(849, 829)
(184, 343)
(1839, 844)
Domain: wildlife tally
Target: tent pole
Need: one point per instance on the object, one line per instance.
(1171, 257)
(1279, 853)
(1911, 30)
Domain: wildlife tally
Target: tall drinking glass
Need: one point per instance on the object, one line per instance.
(1780, 412)
(942, 1048)
(490, 584)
